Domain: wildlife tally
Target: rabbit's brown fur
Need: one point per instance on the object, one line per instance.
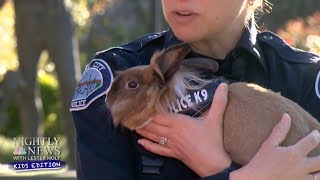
(251, 113)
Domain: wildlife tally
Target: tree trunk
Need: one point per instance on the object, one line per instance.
(46, 25)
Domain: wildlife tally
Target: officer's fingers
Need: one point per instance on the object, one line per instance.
(308, 143)
(313, 165)
(279, 132)
(148, 135)
(220, 100)
(157, 129)
(157, 148)
(219, 103)
(165, 119)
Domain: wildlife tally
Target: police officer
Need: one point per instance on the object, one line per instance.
(189, 149)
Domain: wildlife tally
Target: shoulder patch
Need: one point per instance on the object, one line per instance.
(317, 85)
(94, 83)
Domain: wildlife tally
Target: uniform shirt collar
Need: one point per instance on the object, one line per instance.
(248, 43)
(170, 39)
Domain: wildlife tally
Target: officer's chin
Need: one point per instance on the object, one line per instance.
(186, 35)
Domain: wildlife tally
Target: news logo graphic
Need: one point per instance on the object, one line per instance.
(19, 151)
(36, 153)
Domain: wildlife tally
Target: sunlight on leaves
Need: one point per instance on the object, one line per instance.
(80, 11)
(8, 57)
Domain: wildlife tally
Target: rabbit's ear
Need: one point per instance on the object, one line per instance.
(167, 62)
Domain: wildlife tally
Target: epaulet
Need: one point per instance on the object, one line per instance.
(285, 51)
(137, 44)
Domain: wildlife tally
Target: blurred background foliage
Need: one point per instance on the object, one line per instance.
(8, 56)
(101, 24)
(303, 33)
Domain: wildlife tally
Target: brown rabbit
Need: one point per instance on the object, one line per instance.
(251, 113)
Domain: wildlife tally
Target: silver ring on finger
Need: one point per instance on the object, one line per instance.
(164, 141)
(314, 177)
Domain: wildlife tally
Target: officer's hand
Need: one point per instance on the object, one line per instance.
(198, 143)
(273, 162)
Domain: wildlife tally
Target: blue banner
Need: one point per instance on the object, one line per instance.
(37, 165)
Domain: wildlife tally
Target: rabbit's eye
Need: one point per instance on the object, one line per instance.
(132, 85)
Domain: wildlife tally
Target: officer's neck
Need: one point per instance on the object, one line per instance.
(219, 45)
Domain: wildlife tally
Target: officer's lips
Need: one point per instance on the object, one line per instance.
(183, 17)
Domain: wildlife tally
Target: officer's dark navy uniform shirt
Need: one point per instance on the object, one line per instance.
(105, 152)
